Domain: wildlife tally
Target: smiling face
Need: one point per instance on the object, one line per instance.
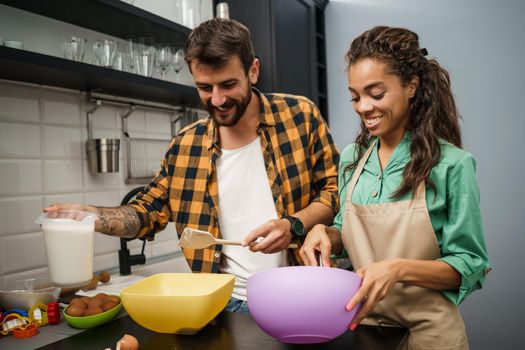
(380, 99)
(225, 91)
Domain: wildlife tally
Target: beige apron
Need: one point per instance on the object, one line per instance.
(402, 229)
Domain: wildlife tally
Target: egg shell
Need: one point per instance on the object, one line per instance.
(90, 311)
(115, 298)
(108, 305)
(101, 296)
(128, 342)
(75, 310)
(95, 302)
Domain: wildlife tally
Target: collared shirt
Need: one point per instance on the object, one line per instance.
(454, 208)
(300, 158)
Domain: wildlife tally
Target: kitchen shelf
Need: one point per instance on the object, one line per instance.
(112, 17)
(32, 67)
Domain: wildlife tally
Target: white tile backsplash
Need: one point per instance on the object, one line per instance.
(20, 177)
(104, 199)
(19, 103)
(63, 198)
(19, 140)
(61, 108)
(164, 248)
(43, 161)
(105, 261)
(105, 244)
(103, 134)
(18, 214)
(104, 117)
(159, 122)
(22, 251)
(137, 121)
(62, 142)
(62, 176)
(97, 182)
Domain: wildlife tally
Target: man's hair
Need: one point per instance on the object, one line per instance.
(215, 41)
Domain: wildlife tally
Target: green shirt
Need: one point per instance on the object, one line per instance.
(454, 208)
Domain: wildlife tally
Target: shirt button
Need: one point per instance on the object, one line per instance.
(217, 255)
(374, 194)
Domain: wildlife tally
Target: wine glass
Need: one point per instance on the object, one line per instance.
(178, 62)
(163, 59)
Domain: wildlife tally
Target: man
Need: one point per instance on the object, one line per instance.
(261, 168)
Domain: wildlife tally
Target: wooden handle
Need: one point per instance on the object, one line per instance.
(228, 242)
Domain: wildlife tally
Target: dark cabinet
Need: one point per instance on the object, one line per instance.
(288, 37)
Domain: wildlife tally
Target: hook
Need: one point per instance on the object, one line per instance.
(89, 115)
(125, 119)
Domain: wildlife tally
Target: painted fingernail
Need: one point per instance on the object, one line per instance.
(352, 326)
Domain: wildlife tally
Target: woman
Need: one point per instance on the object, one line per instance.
(410, 217)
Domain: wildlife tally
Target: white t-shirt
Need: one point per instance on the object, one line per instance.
(245, 203)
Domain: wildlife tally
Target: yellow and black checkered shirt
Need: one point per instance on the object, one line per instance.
(301, 162)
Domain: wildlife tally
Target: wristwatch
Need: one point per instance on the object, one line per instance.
(297, 227)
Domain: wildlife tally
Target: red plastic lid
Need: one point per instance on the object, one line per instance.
(30, 331)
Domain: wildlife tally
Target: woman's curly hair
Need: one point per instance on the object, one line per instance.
(433, 113)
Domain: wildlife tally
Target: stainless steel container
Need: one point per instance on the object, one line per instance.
(103, 155)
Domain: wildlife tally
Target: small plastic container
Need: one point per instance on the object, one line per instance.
(69, 236)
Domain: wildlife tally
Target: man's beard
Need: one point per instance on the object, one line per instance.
(240, 108)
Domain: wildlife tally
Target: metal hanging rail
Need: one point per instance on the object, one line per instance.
(123, 101)
(140, 152)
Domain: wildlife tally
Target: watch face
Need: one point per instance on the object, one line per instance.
(297, 226)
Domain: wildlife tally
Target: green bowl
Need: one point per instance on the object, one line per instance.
(92, 321)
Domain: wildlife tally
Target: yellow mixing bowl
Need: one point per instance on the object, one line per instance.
(179, 303)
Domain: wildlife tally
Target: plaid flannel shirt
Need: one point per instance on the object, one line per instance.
(300, 158)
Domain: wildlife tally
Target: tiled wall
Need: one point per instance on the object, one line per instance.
(43, 161)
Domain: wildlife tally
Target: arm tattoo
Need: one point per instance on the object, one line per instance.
(121, 221)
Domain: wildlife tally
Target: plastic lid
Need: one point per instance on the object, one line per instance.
(66, 216)
(26, 332)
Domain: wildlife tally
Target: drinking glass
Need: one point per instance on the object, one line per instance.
(163, 59)
(144, 56)
(73, 48)
(178, 62)
(144, 61)
(105, 52)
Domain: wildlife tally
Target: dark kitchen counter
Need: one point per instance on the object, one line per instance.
(228, 331)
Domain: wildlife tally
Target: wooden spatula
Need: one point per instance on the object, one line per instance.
(197, 239)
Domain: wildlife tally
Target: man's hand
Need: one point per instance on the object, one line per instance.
(53, 209)
(120, 221)
(276, 234)
(317, 241)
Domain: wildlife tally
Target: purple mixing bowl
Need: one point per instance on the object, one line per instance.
(302, 304)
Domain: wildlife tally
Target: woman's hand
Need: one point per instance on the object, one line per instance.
(317, 241)
(378, 280)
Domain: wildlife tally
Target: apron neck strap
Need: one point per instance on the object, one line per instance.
(420, 191)
(359, 168)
